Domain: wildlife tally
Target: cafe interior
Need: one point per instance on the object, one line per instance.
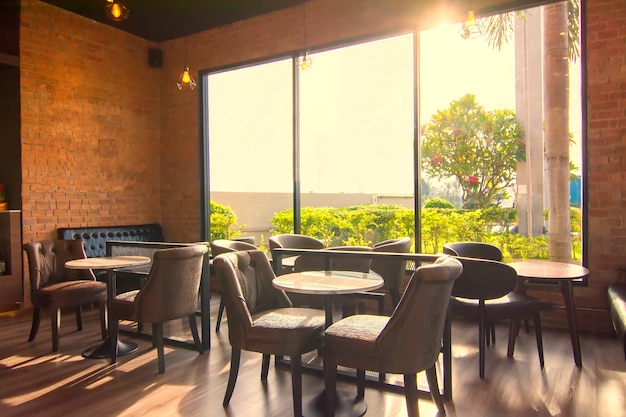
(103, 124)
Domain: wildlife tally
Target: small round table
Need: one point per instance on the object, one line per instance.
(564, 273)
(329, 284)
(109, 263)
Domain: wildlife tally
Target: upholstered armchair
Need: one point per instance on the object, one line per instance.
(54, 287)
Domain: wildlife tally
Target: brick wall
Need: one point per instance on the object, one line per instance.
(90, 124)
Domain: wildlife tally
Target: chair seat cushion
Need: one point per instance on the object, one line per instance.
(509, 306)
(352, 341)
(286, 331)
(123, 306)
(70, 294)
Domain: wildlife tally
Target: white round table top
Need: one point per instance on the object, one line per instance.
(328, 282)
(543, 269)
(107, 262)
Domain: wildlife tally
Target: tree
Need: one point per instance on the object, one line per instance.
(479, 148)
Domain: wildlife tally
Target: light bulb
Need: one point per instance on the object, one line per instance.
(116, 11)
(185, 78)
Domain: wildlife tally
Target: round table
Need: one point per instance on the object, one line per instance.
(329, 284)
(109, 263)
(564, 274)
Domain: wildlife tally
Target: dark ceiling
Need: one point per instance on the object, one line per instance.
(161, 20)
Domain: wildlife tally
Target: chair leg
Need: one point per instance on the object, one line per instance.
(492, 327)
(193, 325)
(220, 312)
(235, 358)
(539, 337)
(34, 328)
(360, 383)
(157, 340)
(481, 344)
(330, 387)
(79, 319)
(55, 321)
(296, 384)
(114, 327)
(513, 331)
(410, 392)
(265, 366)
(433, 386)
(103, 319)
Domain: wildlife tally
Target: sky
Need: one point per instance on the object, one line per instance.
(357, 112)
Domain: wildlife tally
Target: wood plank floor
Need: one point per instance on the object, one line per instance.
(35, 382)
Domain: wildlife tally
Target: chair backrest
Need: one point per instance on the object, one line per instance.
(314, 262)
(411, 340)
(247, 278)
(220, 246)
(392, 270)
(46, 262)
(293, 241)
(473, 250)
(483, 279)
(171, 289)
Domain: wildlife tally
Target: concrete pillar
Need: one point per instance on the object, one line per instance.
(529, 110)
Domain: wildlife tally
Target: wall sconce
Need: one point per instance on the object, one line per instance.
(186, 80)
(471, 28)
(116, 11)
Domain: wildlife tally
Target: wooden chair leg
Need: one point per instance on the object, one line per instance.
(296, 383)
(539, 337)
(157, 340)
(193, 326)
(103, 319)
(34, 328)
(410, 392)
(79, 319)
(114, 327)
(513, 331)
(481, 345)
(235, 358)
(433, 386)
(265, 366)
(330, 387)
(360, 383)
(220, 312)
(55, 321)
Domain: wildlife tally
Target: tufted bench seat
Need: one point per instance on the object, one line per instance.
(617, 306)
(96, 237)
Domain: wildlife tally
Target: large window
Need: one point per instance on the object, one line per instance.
(491, 145)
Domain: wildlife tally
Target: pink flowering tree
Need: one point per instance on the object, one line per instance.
(479, 148)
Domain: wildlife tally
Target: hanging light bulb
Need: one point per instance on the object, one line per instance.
(116, 11)
(470, 29)
(304, 61)
(186, 80)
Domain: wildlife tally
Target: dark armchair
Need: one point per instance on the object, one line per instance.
(170, 292)
(262, 319)
(53, 287)
(406, 343)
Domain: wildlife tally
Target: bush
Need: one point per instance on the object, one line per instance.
(438, 203)
(223, 222)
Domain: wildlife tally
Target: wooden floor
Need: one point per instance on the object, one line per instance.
(35, 382)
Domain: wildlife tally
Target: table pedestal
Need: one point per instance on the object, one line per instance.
(103, 350)
(348, 405)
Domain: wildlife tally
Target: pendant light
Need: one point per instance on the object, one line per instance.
(304, 61)
(471, 28)
(186, 80)
(116, 11)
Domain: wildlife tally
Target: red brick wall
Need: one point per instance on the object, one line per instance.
(90, 124)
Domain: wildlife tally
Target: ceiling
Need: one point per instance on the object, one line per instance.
(162, 20)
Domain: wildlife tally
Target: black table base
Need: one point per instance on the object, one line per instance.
(103, 350)
(348, 405)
